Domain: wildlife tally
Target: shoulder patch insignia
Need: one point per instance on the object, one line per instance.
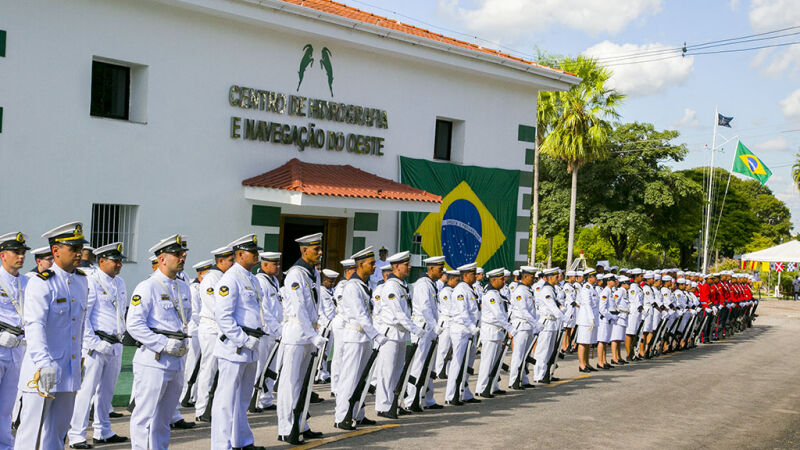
(45, 275)
(519, 297)
(80, 272)
(210, 291)
(224, 291)
(391, 296)
(444, 297)
(460, 297)
(548, 296)
(295, 286)
(164, 297)
(61, 300)
(377, 297)
(538, 288)
(616, 296)
(136, 299)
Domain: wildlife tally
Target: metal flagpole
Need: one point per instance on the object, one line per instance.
(710, 184)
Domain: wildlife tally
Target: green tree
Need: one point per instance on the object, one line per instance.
(772, 215)
(578, 133)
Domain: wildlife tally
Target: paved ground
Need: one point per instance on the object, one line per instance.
(739, 393)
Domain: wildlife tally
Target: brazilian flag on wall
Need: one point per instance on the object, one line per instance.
(477, 218)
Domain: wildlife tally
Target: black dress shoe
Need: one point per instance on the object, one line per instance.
(561, 355)
(591, 369)
(416, 409)
(344, 426)
(250, 447)
(472, 400)
(387, 415)
(371, 389)
(114, 415)
(366, 421)
(435, 406)
(287, 439)
(486, 395)
(403, 412)
(528, 386)
(454, 403)
(255, 410)
(555, 379)
(499, 392)
(607, 366)
(270, 408)
(187, 404)
(83, 444)
(113, 439)
(202, 419)
(308, 434)
(315, 398)
(182, 425)
(584, 370)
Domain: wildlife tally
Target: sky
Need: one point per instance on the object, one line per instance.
(759, 88)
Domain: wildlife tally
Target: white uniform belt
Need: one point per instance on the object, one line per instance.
(354, 326)
(294, 319)
(498, 327)
(549, 317)
(399, 328)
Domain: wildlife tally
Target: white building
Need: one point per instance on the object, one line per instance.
(143, 118)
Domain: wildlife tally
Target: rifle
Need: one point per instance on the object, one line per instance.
(257, 333)
(462, 374)
(359, 393)
(178, 335)
(402, 382)
(16, 331)
(192, 380)
(495, 373)
(551, 363)
(206, 416)
(326, 332)
(266, 373)
(443, 373)
(301, 407)
(421, 382)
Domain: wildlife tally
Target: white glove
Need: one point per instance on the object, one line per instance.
(474, 330)
(438, 330)
(380, 339)
(251, 343)
(319, 341)
(103, 347)
(420, 333)
(9, 340)
(48, 377)
(175, 347)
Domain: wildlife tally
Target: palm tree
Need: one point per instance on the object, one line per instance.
(796, 171)
(579, 132)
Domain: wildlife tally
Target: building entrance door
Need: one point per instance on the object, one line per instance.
(334, 230)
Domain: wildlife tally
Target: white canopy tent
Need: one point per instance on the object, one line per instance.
(786, 252)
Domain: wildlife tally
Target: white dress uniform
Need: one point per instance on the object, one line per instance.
(425, 314)
(588, 315)
(207, 336)
(273, 316)
(299, 337)
(102, 356)
(336, 332)
(658, 302)
(240, 320)
(164, 304)
(648, 300)
(327, 312)
(623, 313)
(635, 305)
(193, 356)
(463, 327)
(54, 309)
(683, 303)
(356, 338)
(12, 290)
(604, 308)
(668, 301)
(494, 326)
(549, 318)
(444, 301)
(525, 319)
(396, 318)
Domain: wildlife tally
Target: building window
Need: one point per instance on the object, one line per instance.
(444, 139)
(111, 89)
(115, 223)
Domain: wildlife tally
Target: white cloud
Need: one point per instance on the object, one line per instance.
(689, 119)
(775, 144)
(508, 19)
(770, 15)
(734, 5)
(643, 78)
(790, 106)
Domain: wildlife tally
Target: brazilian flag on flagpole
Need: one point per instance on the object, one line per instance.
(477, 218)
(746, 163)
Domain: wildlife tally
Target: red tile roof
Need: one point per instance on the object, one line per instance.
(340, 9)
(337, 181)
